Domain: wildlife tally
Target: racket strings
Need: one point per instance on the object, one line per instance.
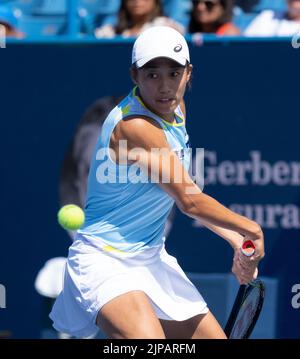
(247, 312)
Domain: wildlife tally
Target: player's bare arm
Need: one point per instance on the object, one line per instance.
(144, 134)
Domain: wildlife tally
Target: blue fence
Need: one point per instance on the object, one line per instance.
(243, 109)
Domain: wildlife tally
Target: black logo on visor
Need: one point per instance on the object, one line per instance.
(178, 48)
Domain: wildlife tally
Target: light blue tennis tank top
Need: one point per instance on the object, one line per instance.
(124, 210)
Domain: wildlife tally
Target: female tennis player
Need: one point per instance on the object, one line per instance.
(118, 275)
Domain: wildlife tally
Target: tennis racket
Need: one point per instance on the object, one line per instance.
(247, 305)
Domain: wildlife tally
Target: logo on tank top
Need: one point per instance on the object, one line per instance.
(180, 153)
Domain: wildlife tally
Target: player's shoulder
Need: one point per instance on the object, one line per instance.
(140, 130)
(134, 125)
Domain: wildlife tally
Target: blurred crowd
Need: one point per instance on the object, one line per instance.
(128, 18)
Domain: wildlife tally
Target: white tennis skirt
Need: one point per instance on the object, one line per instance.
(94, 276)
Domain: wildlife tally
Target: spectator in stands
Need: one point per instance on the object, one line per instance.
(271, 23)
(212, 16)
(135, 16)
(8, 22)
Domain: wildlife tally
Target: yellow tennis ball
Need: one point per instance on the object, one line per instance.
(70, 217)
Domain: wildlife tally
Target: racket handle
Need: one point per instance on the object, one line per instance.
(248, 248)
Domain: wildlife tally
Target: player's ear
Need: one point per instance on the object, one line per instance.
(133, 74)
(189, 72)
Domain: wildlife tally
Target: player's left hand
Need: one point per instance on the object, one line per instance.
(243, 267)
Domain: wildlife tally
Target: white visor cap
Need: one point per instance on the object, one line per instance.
(160, 41)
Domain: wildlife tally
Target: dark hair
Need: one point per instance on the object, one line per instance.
(125, 21)
(227, 5)
(7, 25)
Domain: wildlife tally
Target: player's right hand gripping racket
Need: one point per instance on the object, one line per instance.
(247, 305)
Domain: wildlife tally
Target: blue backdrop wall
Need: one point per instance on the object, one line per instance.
(243, 109)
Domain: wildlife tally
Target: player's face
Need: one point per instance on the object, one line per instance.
(162, 83)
